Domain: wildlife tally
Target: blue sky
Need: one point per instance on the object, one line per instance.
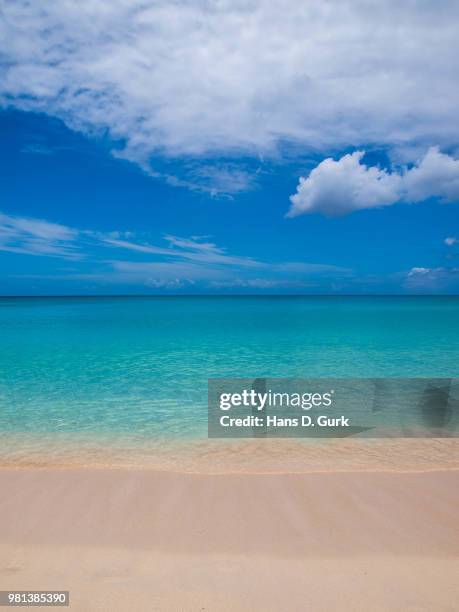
(154, 148)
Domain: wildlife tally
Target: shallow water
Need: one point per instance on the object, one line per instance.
(139, 366)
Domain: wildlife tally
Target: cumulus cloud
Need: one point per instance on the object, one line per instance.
(436, 175)
(174, 78)
(451, 241)
(339, 187)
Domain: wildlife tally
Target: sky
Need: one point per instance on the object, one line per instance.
(229, 147)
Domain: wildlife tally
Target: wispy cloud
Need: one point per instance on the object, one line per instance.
(194, 243)
(223, 178)
(38, 237)
(162, 272)
(261, 283)
(187, 248)
(180, 262)
(118, 243)
(185, 263)
(36, 149)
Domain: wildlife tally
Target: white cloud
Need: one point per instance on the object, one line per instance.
(221, 178)
(194, 243)
(176, 78)
(186, 248)
(311, 269)
(181, 263)
(37, 237)
(133, 246)
(338, 187)
(436, 175)
(172, 284)
(451, 241)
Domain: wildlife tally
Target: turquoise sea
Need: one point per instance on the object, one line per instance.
(139, 365)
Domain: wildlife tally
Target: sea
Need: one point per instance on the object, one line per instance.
(95, 367)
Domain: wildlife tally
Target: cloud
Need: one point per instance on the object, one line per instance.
(220, 178)
(178, 79)
(175, 283)
(133, 246)
(181, 263)
(185, 264)
(451, 241)
(37, 149)
(187, 248)
(436, 175)
(310, 269)
(260, 284)
(194, 243)
(432, 279)
(159, 274)
(339, 187)
(37, 237)
(29, 236)
(233, 273)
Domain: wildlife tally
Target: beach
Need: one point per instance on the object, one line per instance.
(229, 306)
(133, 538)
(112, 490)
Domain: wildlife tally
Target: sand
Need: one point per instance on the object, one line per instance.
(139, 539)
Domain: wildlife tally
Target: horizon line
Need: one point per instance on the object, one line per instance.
(226, 295)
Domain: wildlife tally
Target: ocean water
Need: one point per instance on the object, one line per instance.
(138, 366)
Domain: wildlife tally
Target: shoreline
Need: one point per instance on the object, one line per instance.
(207, 456)
(221, 474)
